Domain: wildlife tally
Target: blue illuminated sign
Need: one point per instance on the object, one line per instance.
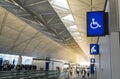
(95, 23)
(94, 49)
(92, 60)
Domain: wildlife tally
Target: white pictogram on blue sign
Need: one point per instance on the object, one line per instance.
(92, 60)
(93, 49)
(94, 24)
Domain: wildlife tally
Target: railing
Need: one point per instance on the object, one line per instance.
(28, 74)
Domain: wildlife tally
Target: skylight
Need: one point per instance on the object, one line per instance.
(61, 3)
(79, 37)
(69, 17)
(75, 34)
(61, 7)
(73, 28)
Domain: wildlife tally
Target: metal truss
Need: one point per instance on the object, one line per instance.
(44, 18)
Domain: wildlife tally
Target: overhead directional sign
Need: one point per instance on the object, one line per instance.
(95, 23)
(94, 49)
(92, 60)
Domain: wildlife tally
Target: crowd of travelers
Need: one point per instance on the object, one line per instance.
(78, 72)
(8, 67)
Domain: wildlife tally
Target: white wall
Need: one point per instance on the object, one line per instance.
(108, 62)
(98, 67)
(119, 12)
(103, 60)
(114, 15)
(115, 55)
(39, 64)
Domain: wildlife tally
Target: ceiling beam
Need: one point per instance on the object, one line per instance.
(33, 37)
(35, 3)
(3, 22)
(17, 38)
(51, 19)
(29, 41)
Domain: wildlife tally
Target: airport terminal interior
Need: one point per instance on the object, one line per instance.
(59, 39)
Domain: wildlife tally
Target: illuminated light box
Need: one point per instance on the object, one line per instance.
(96, 23)
(92, 60)
(94, 49)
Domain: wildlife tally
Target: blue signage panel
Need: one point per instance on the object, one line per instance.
(94, 49)
(95, 23)
(92, 60)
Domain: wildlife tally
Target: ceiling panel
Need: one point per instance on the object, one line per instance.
(11, 34)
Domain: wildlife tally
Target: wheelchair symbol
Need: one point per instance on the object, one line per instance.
(93, 49)
(94, 24)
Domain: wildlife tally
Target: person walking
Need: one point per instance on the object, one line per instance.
(83, 73)
(77, 72)
(71, 71)
(88, 72)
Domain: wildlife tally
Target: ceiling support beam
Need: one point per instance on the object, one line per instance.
(35, 3)
(35, 16)
(22, 15)
(29, 41)
(3, 22)
(55, 24)
(30, 20)
(47, 13)
(17, 38)
(51, 19)
(33, 37)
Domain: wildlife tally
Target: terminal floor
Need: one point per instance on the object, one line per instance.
(77, 77)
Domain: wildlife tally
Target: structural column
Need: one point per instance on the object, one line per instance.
(20, 60)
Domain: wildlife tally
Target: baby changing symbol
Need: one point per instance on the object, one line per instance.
(94, 24)
(93, 49)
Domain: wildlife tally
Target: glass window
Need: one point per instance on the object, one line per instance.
(13, 59)
(26, 60)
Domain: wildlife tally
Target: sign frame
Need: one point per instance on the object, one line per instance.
(94, 48)
(92, 32)
(92, 60)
